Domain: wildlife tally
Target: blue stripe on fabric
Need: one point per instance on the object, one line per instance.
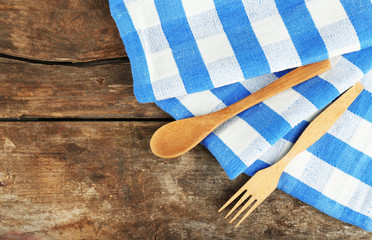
(282, 73)
(360, 15)
(186, 53)
(142, 83)
(175, 108)
(361, 59)
(266, 122)
(255, 167)
(230, 162)
(296, 132)
(344, 157)
(304, 34)
(362, 106)
(230, 94)
(303, 192)
(243, 41)
(325, 92)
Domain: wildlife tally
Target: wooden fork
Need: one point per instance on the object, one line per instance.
(178, 137)
(264, 182)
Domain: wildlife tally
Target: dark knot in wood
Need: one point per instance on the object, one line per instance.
(170, 230)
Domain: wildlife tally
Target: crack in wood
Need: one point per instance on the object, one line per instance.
(81, 64)
(86, 120)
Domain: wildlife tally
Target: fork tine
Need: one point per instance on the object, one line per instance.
(254, 206)
(248, 203)
(242, 189)
(241, 200)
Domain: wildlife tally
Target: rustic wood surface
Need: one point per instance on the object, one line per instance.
(99, 180)
(55, 30)
(104, 90)
(75, 161)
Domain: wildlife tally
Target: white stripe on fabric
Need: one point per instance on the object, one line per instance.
(225, 71)
(324, 178)
(272, 34)
(276, 152)
(152, 39)
(298, 165)
(303, 108)
(280, 102)
(334, 26)
(361, 201)
(213, 44)
(254, 149)
(201, 103)
(345, 126)
(319, 178)
(194, 7)
(325, 12)
(270, 30)
(214, 48)
(362, 138)
(143, 13)
(163, 70)
(164, 74)
(255, 84)
(166, 87)
(318, 174)
(313, 115)
(367, 81)
(341, 187)
(343, 74)
(284, 103)
(237, 134)
(162, 65)
(355, 131)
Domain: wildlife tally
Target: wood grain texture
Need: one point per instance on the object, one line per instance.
(30, 90)
(99, 180)
(54, 30)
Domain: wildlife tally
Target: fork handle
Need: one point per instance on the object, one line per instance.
(321, 124)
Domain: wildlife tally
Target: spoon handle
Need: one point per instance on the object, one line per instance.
(178, 137)
(289, 80)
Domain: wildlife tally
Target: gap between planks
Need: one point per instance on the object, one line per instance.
(86, 119)
(90, 63)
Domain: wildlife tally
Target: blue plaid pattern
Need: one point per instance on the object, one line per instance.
(199, 46)
(205, 55)
(262, 134)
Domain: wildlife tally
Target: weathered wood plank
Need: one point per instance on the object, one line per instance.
(37, 90)
(54, 30)
(99, 180)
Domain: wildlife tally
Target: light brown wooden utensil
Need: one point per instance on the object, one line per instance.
(178, 137)
(264, 182)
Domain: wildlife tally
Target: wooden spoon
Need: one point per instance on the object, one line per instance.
(178, 137)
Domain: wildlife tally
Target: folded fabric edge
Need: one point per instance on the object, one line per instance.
(320, 200)
(316, 200)
(348, 215)
(330, 207)
(142, 88)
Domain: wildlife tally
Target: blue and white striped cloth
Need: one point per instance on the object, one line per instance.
(195, 57)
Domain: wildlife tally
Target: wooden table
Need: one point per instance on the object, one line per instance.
(75, 160)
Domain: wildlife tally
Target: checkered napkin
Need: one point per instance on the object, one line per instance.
(195, 57)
